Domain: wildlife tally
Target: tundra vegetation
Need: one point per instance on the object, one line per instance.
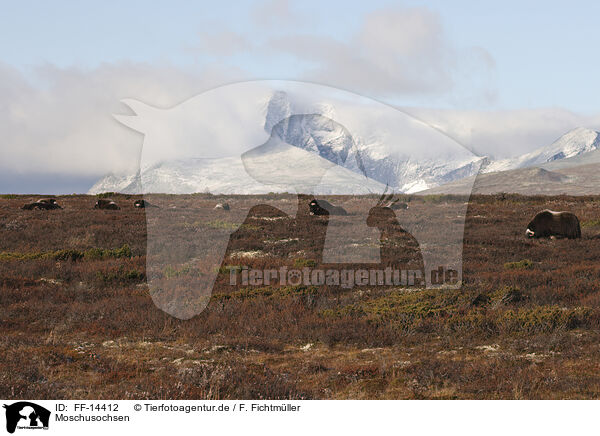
(77, 319)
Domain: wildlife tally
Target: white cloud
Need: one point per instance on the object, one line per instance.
(505, 133)
(397, 52)
(60, 121)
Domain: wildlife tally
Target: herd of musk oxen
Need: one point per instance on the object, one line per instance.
(51, 203)
(545, 224)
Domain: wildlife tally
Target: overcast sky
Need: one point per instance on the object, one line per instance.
(515, 76)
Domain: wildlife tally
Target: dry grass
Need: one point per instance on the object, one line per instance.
(525, 324)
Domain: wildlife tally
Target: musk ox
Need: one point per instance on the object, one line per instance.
(396, 205)
(323, 207)
(142, 204)
(106, 204)
(549, 223)
(48, 201)
(222, 206)
(43, 204)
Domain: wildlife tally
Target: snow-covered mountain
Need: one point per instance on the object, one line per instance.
(229, 176)
(568, 166)
(327, 145)
(364, 169)
(363, 140)
(381, 162)
(129, 184)
(573, 143)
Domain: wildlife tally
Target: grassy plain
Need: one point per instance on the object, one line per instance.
(77, 320)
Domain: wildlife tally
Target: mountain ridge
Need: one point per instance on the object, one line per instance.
(573, 143)
(375, 159)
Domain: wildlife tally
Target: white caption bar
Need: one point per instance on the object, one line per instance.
(297, 417)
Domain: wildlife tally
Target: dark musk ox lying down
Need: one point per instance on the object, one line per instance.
(44, 204)
(549, 223)
(142, 204)
(106, 204)
(323, 207)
